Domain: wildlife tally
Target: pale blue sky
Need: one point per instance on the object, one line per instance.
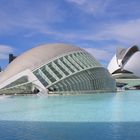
(99, 26)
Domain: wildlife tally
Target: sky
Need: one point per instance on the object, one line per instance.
(98, 26)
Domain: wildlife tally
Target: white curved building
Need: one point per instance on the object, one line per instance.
(55, 68)
(125, 67)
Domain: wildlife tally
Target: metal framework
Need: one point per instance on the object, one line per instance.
(75, 71)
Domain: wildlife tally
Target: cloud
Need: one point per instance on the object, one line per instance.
(92, 6)
(44, 16)
(78, 2)
(100, 54)
(21, 15)
(127, 32)
(112, 21)
(109, 9)
(5, 50)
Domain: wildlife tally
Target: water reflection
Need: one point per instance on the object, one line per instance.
(16, 130)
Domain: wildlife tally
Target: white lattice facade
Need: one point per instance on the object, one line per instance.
(72, 70)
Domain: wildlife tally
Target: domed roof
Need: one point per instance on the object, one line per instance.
(36, 57)
(128, 60)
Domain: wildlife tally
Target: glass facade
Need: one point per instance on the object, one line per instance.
(19, 81)
(76, 71)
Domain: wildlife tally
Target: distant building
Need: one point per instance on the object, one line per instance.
(125, 67)
(11, 57)
(56, 68)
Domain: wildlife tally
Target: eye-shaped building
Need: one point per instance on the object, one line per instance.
(125, 67)
(55, 68)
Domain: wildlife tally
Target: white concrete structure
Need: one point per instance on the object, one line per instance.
(125, 66)
(55, 68)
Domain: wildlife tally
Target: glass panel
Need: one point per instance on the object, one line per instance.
(19, 81)
(40, 78)
(61, 68)
(77, 60)
(67, 65)
(72, 63)
(85, 58)
(48, 75)
(81, 59)
(55, 71)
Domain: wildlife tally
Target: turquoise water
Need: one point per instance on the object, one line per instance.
(95, 116)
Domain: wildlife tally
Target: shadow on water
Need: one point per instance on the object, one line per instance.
(21, 130)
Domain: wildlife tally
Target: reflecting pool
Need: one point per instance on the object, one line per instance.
(107, 116)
